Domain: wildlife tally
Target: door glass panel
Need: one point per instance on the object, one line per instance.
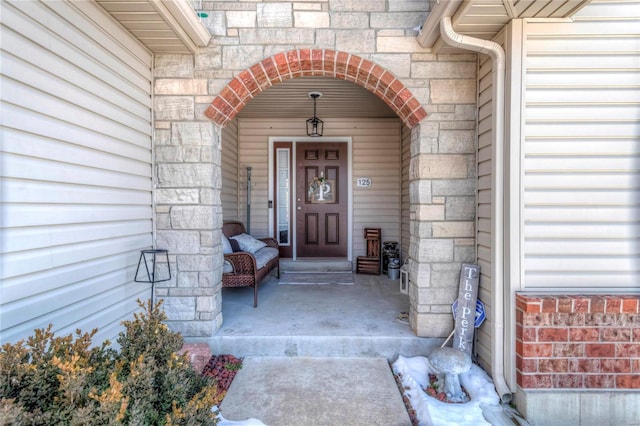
(283, 187)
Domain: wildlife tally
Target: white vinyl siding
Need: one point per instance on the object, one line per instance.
(230, 170)
(483, 336)
(581, 172)
(376, 154)
(76, 169)
(406, 200)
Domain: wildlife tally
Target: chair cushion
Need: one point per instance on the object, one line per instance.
(227, 267)
(248, 243)
(226, 245)
(264, 255)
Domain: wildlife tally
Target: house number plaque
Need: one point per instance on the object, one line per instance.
(363, 182)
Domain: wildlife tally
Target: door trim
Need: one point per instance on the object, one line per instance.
(294, 141)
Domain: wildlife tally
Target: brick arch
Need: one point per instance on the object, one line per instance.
(315, 62)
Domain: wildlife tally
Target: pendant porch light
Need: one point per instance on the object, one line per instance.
(314, 124)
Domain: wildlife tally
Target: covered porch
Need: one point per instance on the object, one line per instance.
(360, 319)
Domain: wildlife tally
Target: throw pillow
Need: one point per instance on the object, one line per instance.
(234, 245)
(248, 243)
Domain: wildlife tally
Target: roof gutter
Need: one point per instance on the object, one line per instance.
(180, 16)
(495, 51)
(430, 30)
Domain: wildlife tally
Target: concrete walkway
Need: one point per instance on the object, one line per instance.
(305, 391)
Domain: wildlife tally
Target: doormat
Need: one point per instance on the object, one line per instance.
(344, 278)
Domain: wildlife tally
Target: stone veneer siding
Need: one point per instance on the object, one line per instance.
(378, 35)
(588, 342)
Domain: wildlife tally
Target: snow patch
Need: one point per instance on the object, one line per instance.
(224, 422)
(414, 374)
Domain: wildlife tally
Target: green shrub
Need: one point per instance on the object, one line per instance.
(64, 380)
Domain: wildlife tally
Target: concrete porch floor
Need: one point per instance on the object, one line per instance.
(331, 320)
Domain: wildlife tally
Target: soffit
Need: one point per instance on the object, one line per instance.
(340, 98)
(163, 26)
(484, 19)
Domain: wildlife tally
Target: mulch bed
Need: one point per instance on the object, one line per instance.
(223, 369)
(407, 403)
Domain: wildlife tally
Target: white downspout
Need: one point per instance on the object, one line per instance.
(495, 51)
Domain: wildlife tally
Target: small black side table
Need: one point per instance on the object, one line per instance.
(152, 277)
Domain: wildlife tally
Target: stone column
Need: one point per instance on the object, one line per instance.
(442, 188)
(187, 198)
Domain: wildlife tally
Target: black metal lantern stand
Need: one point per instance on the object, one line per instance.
(150, 256)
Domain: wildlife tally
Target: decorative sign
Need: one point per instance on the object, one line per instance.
(321, 192)
(363, 182)
(480, 312)
(466, 307)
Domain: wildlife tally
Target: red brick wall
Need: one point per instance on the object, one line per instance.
(590, 342)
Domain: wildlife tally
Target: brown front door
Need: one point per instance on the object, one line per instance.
(321, 199)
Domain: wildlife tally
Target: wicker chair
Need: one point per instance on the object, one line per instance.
(244, 268)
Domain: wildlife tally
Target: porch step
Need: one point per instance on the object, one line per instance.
(362, 319)
(388, 347)
(316, 265)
